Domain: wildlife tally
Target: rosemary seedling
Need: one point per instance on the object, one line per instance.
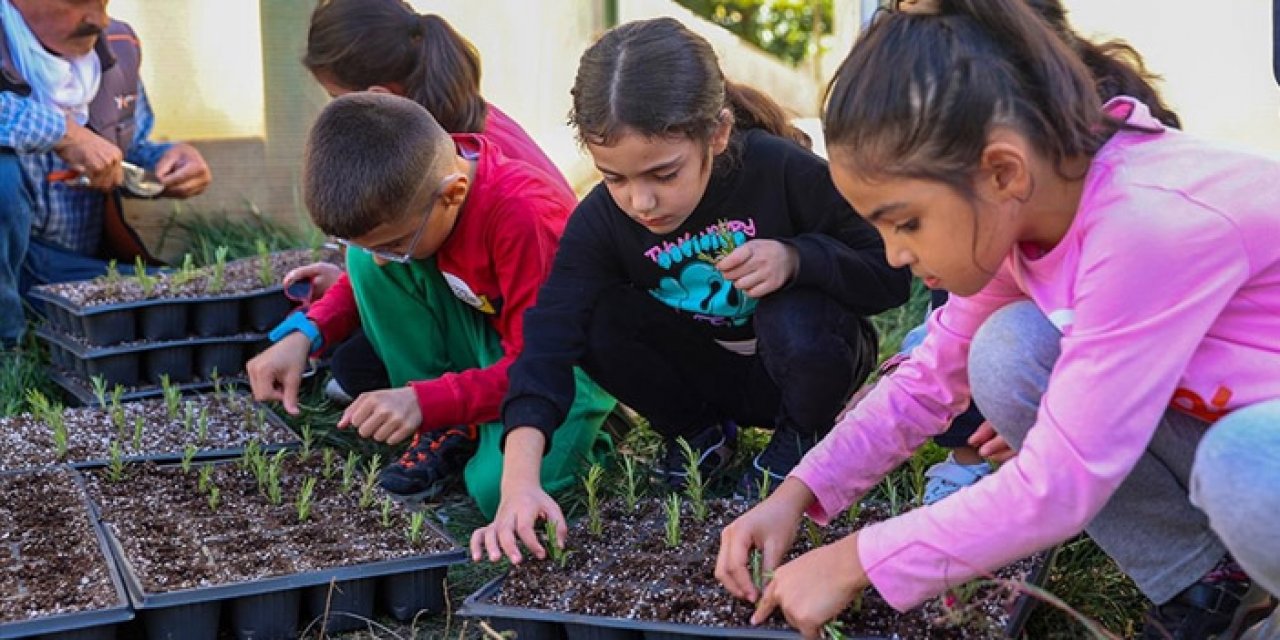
(172, 396)
(766, 480)
(204, 478)
(115, 462)
(113, 273)
(349, 471)
(218, 281)
(275, 493)
(833, 630)
(202, 425)
(146, 281)
(694, 485)
(186, 273)
(671, 506)
(891, 492)
(308, 440)
(215, 497)
(417, 524)
(217, 382)
(386, 512)
(266, 275)
(99, 385)
(326, 463)
(50, 413)
(630, 483)
(188, 455)
(138, 426)
(813, 532)
(591, 483)
(303, 503)
(117, 409)
(370, 482)
(757, 569)
(555, 552)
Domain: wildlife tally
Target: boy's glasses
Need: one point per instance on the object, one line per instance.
(406, 256)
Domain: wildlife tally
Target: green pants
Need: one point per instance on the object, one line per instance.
(421, 331)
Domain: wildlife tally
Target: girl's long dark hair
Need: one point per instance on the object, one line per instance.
(918, 94)
(361, 43)
(658, 78)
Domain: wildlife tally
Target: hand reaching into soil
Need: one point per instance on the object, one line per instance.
(388, 415)
(276, 373)
(322, 275)
(760, 267)
(814, 588)
(517, 517)
(770, 527)
(991, 445)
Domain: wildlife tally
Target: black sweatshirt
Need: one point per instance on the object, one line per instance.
(774, 189)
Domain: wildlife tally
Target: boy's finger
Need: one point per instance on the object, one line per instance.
(507, 541)
(491, 544)
(766, 605)
(292, 380)
(477, 541)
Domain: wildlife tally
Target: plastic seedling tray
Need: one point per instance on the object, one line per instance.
(137, 363)
(97, 624)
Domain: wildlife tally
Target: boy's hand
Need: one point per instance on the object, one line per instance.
(321, 274)
(389, 415)
(517, 517)
(991, 445)
(770, 527)
(760, 267)
(814, 588)
(276, 373)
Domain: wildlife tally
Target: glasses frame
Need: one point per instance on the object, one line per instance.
(407, 256)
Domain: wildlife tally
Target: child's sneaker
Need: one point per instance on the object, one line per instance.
(433, 463)
(949, 476)
(784, 451)
(1220, 605)
(714, 446)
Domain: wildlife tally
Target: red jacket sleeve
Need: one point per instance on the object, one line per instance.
(521, 245)
(335, 313)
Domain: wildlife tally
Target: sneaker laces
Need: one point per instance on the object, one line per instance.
(421, 452)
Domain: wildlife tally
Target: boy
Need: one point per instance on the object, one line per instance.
(447, 243)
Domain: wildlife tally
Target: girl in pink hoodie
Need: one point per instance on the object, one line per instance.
(1115, 314)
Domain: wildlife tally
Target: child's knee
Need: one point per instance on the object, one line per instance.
(806, 326)
(1232, 460)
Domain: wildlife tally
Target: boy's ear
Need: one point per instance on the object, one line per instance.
(456, 191)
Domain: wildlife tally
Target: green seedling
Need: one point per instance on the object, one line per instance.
(833, 631)
(138, 426)
(727, 243)
(266, 275)
(853, 513)
(591, 483)
(891, 492)
(630, 483)
(202, 425)
(146, 281)
(757, 569)
(188, 416)
(275, 469)
(386, 512)
(217, 382)
(99, 385)
(218, 281)
(172, 396)
(326, 466)
(417, 525)
(813, 532)
(308, 440)
(188, 455)
(204, 479)
(349, 471)
(115, 462)
(215, 497)
(917, 469)
(50, 413)
(187, 272)
(765, 485)
(113, 273)
(694, 484)
(303, 503)
(117, 409)
(370, 481)
(555, 551)
(671, 506)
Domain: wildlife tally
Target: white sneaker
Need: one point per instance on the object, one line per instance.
(949, 476)
(335, 392)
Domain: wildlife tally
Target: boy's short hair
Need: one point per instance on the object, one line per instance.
(367, 157)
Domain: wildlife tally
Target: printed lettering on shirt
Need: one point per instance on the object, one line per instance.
(696, 286)
(1190, 403)
(462, 291)
(125, 101)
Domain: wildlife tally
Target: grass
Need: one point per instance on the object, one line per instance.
(1084, 577)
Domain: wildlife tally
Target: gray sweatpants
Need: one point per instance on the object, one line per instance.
(1197, 493)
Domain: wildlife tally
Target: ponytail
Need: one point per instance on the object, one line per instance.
(752, 109)
(446, 78)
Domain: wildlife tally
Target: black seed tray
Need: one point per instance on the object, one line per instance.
(166, 318)
(143, 363)
(80, 625)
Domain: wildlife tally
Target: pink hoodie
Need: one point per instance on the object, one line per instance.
(1167, 291)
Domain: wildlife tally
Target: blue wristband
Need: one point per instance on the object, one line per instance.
(298, 321)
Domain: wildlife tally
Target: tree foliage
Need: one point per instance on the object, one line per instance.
(784, 28)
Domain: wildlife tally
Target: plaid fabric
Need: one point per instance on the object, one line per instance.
(63, 216)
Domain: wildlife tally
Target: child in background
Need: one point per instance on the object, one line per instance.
(1117, 70)
(1116, 314)
(386, 46)
(714, 277)
(448, 241)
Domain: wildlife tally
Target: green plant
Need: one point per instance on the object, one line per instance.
(728, 242)
(790, 30)
(833, 630)
(555, 550)
(275, 469)
(187, 272)
(303, 503)
(146, 281)
(266, 275)
(215, 497)
(117, 409)
(891, 493)
(417, 525)
(671, 506)
(326, 466)
(813, 532)
(852, 514)
(115, 462)
(50, 413)
(757, 569)
(202, 425)
(112, 276)
(217, 382)
(694, 485)
(218, 281)
(591, 484)
(188, 455)
(386, 512)
(630, 482)
(308, 440)
(916, 467)
(370, 482)
(765, 485)
(349, 470)
(204, 478)
(172, 396)
(99, 385)
(138, 425)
